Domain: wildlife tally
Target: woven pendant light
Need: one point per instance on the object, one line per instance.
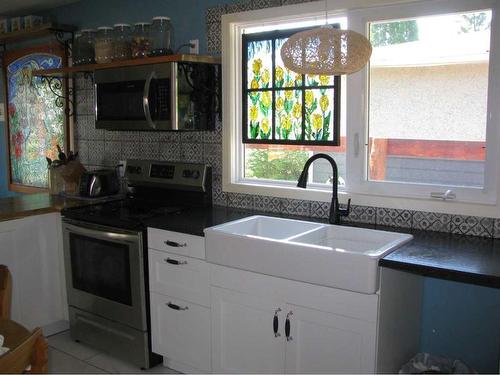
(326, 51)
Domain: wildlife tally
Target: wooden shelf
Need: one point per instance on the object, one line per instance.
(70, 71)
(37, 32)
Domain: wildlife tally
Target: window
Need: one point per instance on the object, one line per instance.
(280, 106)
(428, 99)
(418, 121)
(287, 117)
(36, 116)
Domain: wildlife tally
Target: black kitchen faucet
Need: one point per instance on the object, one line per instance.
(335, 211)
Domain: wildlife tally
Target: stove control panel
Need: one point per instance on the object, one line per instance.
(191, 176)
(162, 171)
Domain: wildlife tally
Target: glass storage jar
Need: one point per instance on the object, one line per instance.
(84, 48)
(75, 48)
(141, 40)
(122, 38)
(162, 35)
(104, 45)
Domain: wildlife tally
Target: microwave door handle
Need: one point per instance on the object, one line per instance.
(145, 100)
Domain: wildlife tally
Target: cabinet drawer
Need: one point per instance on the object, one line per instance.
(177, 243)
(182, 335)
(180, 277)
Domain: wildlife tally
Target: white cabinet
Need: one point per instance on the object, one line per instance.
(181, 332)
(32, 249)
(322, 342)
(339, 339)
(180, 300)
(243, 338)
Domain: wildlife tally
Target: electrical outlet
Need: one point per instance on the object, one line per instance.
(195, 49)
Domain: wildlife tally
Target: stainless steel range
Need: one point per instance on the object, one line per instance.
(105, 254)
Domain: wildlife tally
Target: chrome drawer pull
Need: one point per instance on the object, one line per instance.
(176, 262)
(175, 244)
(173, 306)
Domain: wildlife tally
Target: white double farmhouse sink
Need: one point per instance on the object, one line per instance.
(330, 255)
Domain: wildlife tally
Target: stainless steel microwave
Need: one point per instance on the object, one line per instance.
(162, 97)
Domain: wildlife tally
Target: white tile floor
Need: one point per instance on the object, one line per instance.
(69, 357)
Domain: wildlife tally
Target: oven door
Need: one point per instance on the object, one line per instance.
(105, 272)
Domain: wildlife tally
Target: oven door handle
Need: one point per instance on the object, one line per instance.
(145, 100)
(101, 234)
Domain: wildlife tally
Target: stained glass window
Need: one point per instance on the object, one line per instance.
(280, 106)
(36, 119)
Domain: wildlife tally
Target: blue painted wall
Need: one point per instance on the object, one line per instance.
(187, 16)
(459, 320)
(462, 321)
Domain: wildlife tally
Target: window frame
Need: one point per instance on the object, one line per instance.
(470, 201)
(336, 87)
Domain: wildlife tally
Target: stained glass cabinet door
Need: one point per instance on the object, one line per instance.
(36, 118)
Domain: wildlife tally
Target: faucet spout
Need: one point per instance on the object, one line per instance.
(335, 211)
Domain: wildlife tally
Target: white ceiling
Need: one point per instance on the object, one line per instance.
(23, 7)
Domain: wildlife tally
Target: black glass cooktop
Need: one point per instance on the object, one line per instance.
(127, 214)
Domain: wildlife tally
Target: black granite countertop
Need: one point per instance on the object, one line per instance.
(455, 257)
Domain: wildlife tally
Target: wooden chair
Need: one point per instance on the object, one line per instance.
(30, 356)
(5, 292)
(28, 351)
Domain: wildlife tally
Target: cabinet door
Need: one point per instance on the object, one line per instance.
(243, 339)
(181, 331)
(321, 342)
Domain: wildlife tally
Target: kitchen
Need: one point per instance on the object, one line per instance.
(458, 318)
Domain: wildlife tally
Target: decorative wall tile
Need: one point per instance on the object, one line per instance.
(394, 217)
(93, 134)
(361, 214)
(496, 229)
(219, 198)
(320, 209)
(147, 136)
(213, 14)
(214, 136)
(96, 153)
(112, 153)
(431, 221)
(213, 156)
(169, 137)
(191, 137)
(214, 37)
(267, 204)
(260, 4)
(472, 225)
(296, 207)
(170, 151)
(82, 148)
(84, 83)
(80, 128)
(85, 102)
(136, 150)
(291, 2)
(240, 200)
(192, 152)
(239, 6)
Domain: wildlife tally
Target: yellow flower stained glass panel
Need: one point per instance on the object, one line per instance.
(319, 114)
(259, 65)
(283, 77)
(313, 80)
(259, 107)
(288, 115)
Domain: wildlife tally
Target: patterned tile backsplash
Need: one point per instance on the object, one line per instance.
(98, 148)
